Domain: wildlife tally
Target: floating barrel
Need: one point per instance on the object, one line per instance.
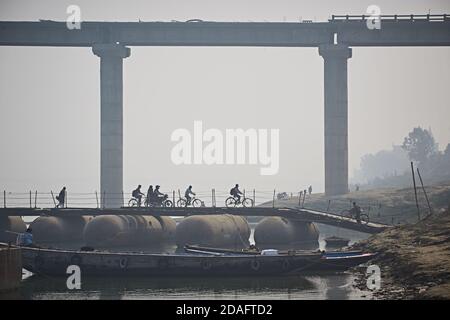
(169, 227)
(278, 232)
(13, 224)
(225, 231)
(59, 229)
(125, 230)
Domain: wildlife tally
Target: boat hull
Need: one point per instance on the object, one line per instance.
(55, 262)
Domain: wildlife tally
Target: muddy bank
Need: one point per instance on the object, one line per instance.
(414, 260)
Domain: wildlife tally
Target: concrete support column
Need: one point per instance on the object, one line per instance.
(111, 122)
(336, 117)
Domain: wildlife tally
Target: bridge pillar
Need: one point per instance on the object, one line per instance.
(111, 122)
(335, 58)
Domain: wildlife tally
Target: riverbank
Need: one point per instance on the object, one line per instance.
(414, 259)
(384, 205)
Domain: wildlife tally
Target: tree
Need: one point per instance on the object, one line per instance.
(420, 145)
(385, 163)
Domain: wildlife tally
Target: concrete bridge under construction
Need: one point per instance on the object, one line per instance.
(334, 39)
(297, 214)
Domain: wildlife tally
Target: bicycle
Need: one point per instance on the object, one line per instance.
(134, 202)
(195, 202)
(233, 202)
(348, 214)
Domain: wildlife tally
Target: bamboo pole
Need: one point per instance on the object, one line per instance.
(53, 197)
(273, 199)
(4, 198)
(35, 198)
(415, 190)
(423, 188)
(30, 200)
(304, 196)
(96, 198)
(173, 197)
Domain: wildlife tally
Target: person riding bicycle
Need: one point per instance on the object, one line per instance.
(137, 194)
(149, 195)
(356, 212)
(236, 193)
(188, 194)
(158, 195)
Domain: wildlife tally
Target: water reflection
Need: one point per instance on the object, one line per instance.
(334, 286)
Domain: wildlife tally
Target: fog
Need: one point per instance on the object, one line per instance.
(50, 97)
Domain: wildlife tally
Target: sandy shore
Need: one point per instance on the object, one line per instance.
(414, 260)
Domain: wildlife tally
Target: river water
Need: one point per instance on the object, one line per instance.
(330, 286)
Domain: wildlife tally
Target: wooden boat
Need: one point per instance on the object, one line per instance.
(194, 249)
(331, 256)
(103, 263)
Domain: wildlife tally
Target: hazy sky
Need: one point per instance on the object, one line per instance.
(49, 101)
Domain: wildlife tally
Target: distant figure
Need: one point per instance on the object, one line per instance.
(61, 197)
(235, 192)
(157, 195)
(26, 239)
(149, 195)
(137, 194)
(357, 188)
(356, 212)
(310, 189)
(188, 194)
(305, 192)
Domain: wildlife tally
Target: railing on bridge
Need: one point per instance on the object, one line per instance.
(377, 210)
(393, 17)
(211, 198)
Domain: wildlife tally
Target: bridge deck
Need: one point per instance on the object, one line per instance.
(290, 213)
(351, 32)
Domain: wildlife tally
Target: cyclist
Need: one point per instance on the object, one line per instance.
(149, 195)
(157, 195)
(188, 194)
(356, 212)
(236, 193)
(137, 194)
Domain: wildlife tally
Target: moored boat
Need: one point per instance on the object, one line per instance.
(103, 263)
